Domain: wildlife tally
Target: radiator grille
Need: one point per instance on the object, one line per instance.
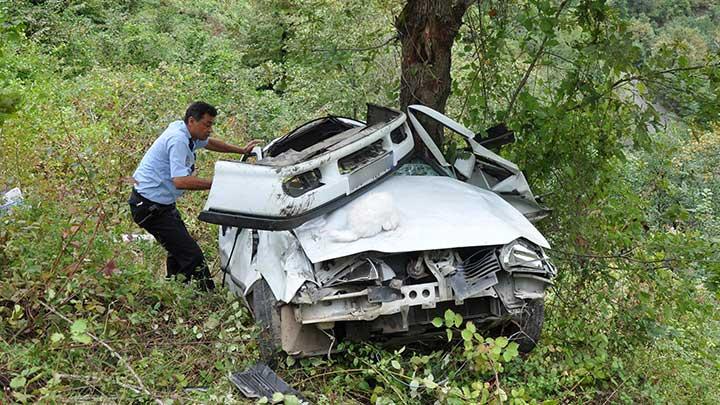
(475, 274)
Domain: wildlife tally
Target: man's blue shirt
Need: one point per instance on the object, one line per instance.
(169, 156)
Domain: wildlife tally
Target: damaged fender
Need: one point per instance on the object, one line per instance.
(282, 263)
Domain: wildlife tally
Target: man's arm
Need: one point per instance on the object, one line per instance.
(191, 183)
(217, 145)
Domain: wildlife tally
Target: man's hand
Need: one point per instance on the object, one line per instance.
(249, 147)
(217, 145)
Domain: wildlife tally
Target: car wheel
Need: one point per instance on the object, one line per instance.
(525, 328)
(266, 310)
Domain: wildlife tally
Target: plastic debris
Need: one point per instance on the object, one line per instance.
(261, 381)
(134, 237)
(11, 199)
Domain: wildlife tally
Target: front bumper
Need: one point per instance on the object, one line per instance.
(359, 306)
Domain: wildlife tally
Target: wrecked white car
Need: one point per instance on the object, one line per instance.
(387, 247)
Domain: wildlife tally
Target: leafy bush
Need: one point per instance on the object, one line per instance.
(87, 317)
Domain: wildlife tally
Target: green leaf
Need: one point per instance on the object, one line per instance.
(395, 364)
(449, 318)
(291, 400)
(78, 327)
(458, 320)
(511, 351)
(437, 322)
(22, 398)
(277, 397)
(501, 342)
(18, 382)
(290, 361)
(466, 335)
(449, 334)
(683, 61)
(211, 323)
(429, 383)
(56, 337)
(501, 394)
(546, 25)
(84, 338)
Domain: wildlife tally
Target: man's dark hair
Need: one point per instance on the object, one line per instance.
(198, 109)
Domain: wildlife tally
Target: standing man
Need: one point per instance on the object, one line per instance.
(166, 170)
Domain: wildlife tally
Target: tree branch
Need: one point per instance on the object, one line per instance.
(369, 48)
(626, 257)
(530, 68)
(647, 77)
(110, 349)
(685, 69)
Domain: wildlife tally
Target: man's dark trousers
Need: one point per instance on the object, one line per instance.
(165, 224)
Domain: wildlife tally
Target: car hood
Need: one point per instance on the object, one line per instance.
(431, 213)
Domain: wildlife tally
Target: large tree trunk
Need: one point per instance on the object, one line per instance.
(427, 30)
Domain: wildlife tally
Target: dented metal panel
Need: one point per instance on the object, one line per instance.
(352, 269)
(476, 273)
(357, 307)
(257, 190)
(241, 268)
(427, 139)
(283, 264)
(460, 129)
(435, 213)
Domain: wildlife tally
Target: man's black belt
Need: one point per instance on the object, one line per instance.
(149, 201)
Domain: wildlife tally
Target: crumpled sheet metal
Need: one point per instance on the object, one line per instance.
(241, 267)
(436, 213)
(512, 184)
(460, 129)
(282, 263)
(353, 269)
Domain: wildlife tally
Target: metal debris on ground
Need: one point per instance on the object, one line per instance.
(261, 381)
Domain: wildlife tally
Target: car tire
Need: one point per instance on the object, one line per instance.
(266, 311)
(526, 327)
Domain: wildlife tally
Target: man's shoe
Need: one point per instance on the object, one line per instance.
(206, 284)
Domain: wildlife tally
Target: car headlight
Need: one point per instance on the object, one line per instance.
(517, 255)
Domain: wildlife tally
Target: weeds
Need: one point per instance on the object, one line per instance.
(85, 317)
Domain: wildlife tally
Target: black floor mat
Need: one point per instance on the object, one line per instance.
(260, 381)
